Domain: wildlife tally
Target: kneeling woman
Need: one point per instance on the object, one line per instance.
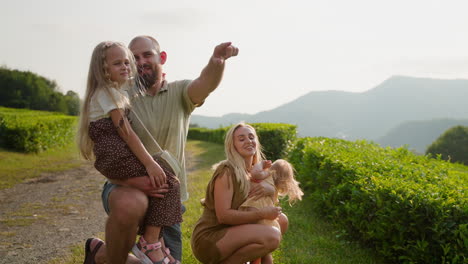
(224, 234)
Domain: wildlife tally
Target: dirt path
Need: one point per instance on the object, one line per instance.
(41, 218)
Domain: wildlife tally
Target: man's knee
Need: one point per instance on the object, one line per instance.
(127, 204)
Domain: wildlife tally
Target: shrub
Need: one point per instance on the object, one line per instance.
(34, 131)
(452, 145)
(412, 209)
(206, 134)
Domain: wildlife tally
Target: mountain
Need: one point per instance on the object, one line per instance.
(367, 115)
(418, 135)
(215, 122)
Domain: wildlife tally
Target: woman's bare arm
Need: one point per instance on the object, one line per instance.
(223, 192)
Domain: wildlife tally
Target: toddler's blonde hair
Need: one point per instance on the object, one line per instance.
(285, 183)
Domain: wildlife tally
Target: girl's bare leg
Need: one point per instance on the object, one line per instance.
(151, 236)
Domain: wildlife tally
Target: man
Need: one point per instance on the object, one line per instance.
(165, 109)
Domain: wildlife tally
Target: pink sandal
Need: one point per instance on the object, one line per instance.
(167, 253)
(142, 248)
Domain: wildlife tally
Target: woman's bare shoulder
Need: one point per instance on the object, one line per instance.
(222, 167)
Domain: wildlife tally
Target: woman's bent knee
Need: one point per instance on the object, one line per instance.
(273, 239)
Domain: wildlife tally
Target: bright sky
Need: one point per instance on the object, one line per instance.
(287, 48)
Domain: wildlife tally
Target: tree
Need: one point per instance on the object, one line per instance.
(57, 103)
(73, 102)
(20, 89)
(452, 145)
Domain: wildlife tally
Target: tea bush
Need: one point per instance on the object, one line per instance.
(34, 131)
(412, 209)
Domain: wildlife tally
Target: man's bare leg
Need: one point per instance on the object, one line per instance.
(101, 257)
(127, 208)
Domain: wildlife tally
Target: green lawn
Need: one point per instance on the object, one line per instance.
(17, 167)
(310, 239)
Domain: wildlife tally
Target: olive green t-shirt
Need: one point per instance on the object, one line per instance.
(167, 116)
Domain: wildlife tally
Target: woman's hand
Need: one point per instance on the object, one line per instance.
(270, 212)
(156, 174)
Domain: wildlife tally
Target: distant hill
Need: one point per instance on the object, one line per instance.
(366, 115)
(418, 135)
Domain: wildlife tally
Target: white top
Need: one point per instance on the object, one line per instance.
(101, 103)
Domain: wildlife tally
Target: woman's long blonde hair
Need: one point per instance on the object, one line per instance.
(237, 161)
(99, 78)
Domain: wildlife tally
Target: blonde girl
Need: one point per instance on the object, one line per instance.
(280, 175)
(105, 136)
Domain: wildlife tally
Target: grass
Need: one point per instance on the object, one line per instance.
(29, 213)
(76, 255)
(7, 234)
(206, 154)
(18, 167)
(310, 239)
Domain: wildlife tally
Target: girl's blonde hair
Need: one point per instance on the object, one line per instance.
(236, 160)
(285, 183)
(99, 78)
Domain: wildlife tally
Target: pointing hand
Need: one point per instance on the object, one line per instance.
(223, 52)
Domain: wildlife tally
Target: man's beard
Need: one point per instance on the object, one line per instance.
(148, 79)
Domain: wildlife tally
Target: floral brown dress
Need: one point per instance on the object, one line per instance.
(115, 160)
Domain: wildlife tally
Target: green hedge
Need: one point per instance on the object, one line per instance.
(34, 131)
(412, 209)
(276, 139)
(452, 145)
(206, 134)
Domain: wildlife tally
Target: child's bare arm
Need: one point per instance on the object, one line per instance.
(260, 170)
(155, 172)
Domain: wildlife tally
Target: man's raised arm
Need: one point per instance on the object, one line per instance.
(212, 74)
